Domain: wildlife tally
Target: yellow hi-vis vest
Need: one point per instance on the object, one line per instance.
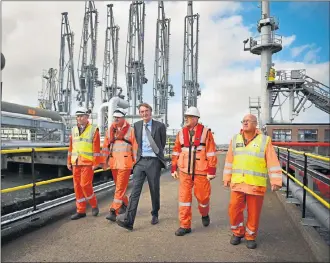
(271, 75)
(82, 145)
(249, 165)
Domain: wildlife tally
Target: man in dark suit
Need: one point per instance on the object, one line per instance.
(150, 138)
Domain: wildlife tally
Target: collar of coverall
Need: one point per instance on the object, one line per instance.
(124, 125)
(249, 138)
(83, 126)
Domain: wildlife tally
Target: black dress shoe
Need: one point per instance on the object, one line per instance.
(182, 231)
(154, 220)
(78, 216)
(124, 225)
(205, 220)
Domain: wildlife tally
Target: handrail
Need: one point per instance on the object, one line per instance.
(305, 169)
(26, 186)
(319, 198)
(319, 157)
(28, 150)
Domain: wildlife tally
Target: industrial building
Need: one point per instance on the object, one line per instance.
(309, 137)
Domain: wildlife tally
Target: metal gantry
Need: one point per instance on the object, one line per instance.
(66, 67)
(298, 88)
(134, 66)
(87, 70)
(110, 63)
(190, 85)
(47, 97)
(162, 89)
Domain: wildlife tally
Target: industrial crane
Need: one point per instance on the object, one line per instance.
(66, 68)
(134, 66)
(110, 62)
(162, 89)
(47, 97)
(88, 73)
(190, 85)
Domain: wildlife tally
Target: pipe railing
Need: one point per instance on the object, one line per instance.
(306, 173)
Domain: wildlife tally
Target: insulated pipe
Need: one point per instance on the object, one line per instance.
(112, 104)
(30, 111)
(321, 213)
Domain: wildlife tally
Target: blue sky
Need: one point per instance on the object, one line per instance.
(308, 21)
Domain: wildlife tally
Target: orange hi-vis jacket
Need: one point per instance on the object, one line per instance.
(95, 145)
(121, 151)
(200, 147)
(273, 166)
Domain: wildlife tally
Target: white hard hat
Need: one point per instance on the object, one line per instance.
(119, 113)
(81, 111)
(192, 111)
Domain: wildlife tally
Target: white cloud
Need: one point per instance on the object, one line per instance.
(295, 51)
(31, 41)
(312, 55)
(287, 41)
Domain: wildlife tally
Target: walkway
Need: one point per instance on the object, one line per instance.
(96, 239)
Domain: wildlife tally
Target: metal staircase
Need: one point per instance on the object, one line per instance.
(298, 86)
(317, 93)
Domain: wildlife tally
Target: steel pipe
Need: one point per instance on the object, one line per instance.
(320, 212)
(112, 104)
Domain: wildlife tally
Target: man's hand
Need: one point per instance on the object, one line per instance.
(104, 166)
(275, 188)
(69, 166)
(175, 175)
(210, 177)
(226, 184)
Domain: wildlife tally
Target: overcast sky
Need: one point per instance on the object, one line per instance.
(227, 74)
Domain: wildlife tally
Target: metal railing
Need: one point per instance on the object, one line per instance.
(34, 184)
(291, 74)
(289, 159)
(265, 39)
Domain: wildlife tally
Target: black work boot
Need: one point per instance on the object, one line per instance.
(206, 220)
(78, 216)
(251, 244)
(122, 209)
(235, 240)
(95, 211)
(112, 215)
(182, 231)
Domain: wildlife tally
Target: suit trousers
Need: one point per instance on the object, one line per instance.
(149, 167)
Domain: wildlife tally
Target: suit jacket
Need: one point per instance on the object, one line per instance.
(158, 133)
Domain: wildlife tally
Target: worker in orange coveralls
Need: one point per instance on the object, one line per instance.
(118, 153)
(250, 158)
(83, 157)
(194, 155)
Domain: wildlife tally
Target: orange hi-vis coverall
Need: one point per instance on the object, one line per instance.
(83, 154)
(246, 168)
(195, 157)
(118, 150)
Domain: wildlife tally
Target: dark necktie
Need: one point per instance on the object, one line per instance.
(151, 140)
